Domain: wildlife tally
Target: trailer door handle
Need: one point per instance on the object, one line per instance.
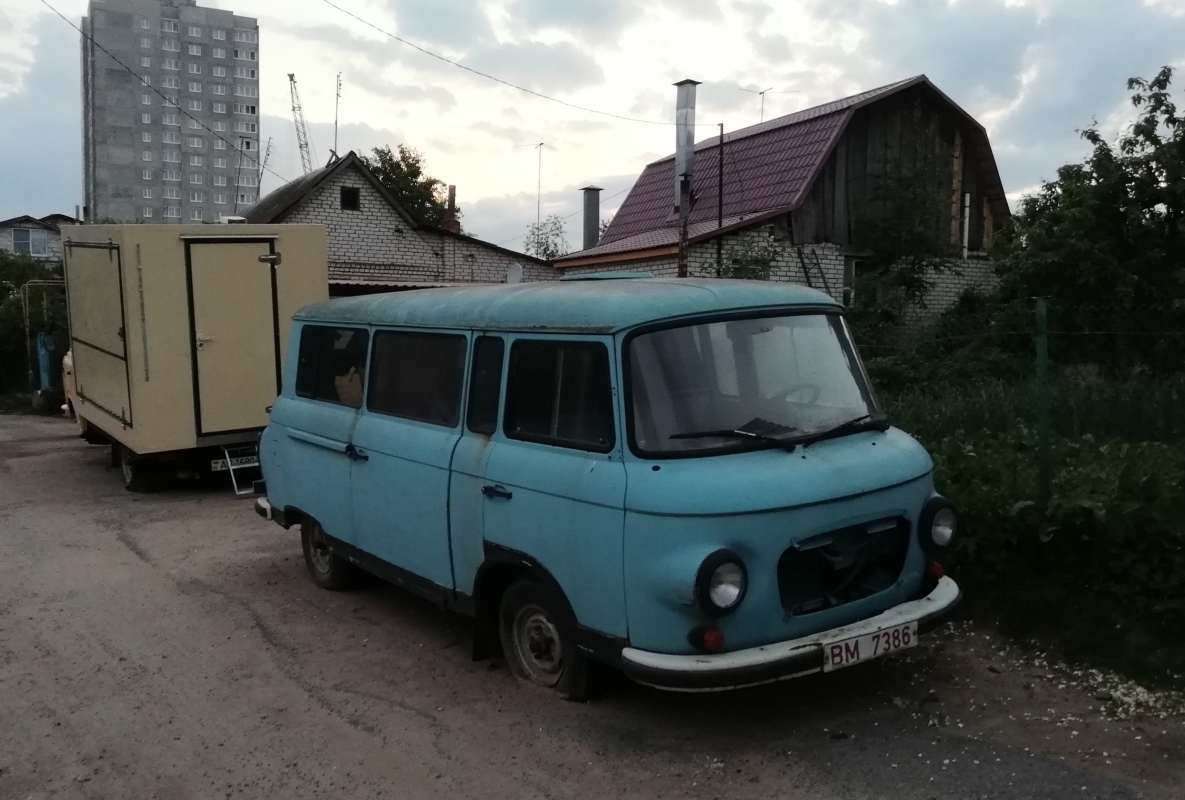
(497, 491)
(354, 454)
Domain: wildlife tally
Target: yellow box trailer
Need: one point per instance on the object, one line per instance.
(179, 335)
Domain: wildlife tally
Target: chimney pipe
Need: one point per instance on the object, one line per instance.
(684, 139)
(592, 216)
(450, 223)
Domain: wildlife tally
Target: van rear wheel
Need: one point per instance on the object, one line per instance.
(327, 570)
(538, 640)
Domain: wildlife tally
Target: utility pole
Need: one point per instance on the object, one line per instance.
(538, 190)
(336, 106)
(720, 204)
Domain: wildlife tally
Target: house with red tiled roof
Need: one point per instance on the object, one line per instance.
(812, 185)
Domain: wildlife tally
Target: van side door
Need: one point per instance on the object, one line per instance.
(554, 481)
(403, 449)
(308, 441)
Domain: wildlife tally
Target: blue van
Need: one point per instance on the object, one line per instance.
(689, 480)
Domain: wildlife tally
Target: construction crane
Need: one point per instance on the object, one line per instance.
(267, 155)
(302, 132)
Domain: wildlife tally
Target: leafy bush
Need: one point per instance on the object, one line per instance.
(15, 271)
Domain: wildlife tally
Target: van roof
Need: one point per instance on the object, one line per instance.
(592, 306)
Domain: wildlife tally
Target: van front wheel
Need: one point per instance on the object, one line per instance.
(538, 640)
(135, 471)
(327, 570)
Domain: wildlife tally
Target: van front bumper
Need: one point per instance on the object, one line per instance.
(782, 660)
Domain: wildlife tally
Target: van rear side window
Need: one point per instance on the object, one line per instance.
(485, 385)
(417, 376)
(332, 364)
(560, 393)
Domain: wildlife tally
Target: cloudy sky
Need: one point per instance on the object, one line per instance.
(1032, 71)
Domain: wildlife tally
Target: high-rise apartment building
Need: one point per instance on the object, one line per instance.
(170, 111)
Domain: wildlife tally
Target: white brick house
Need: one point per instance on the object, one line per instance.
(374, 245)
(40, 239)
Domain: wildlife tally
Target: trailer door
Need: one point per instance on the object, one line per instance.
(234, 332)
(94, 280)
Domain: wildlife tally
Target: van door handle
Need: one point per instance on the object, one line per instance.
(496, 491)
(354, 454)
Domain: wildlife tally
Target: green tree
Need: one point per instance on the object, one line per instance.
(403, 174)
(751, 258)
(1108, 230)
(547, 239)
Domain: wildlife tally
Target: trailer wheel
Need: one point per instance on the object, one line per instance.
(136, 472)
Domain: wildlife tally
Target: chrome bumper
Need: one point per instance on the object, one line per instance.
(782, 660)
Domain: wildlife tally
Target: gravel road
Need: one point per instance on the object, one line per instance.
(172, 646)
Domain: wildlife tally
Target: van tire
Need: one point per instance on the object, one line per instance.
(135, 471)
(538, 634)
(329, 571)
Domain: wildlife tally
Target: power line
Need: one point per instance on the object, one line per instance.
(495, 79)
(610, 197)
(242, 153)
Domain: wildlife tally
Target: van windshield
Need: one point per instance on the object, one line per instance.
(745, 383)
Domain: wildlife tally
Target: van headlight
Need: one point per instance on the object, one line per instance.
(937, 524)
(721, 583)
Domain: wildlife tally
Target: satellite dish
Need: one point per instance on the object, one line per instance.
(514, 273)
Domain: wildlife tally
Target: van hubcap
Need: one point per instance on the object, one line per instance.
(538, 645)
(318, 550)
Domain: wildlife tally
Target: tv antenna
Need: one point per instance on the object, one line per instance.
(336, 105)
(764, 92)
(538, 184)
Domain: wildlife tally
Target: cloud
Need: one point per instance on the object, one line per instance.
(285, 160)
(595, 20)
(443, 99)
(454, 23)
(41, 128)
(508, 132)
(560, 67)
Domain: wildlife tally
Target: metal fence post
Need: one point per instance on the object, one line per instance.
(1043, 404)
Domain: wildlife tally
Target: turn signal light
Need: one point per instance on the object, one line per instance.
(935, 571)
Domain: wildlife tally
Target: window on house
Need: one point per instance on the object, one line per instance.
(218, 35)
(245, 55)
(218, 72)
(170, 137)
(351, 198)
(220, 108)
(145, 136)
(145, 61)
(146, 80)
(194, 31)
(171, 46)
(170, 82)
(245, 72)
(145, 41)
(195, 105)
(173, 212)
(30, 242)
(197, 197)
(247, 180)
(147, 212)
(172, 101)
(417, 376)
(170, 119)
(170, 63)
(219, 52)
(220, 163)
(485, 384)
(146, 119)
(246, 91)
(195, 161)
(243, 108)
(332, 364)
(195, 69)
(146, 99)
(219, 89)
(246, 127)
(172, 157)
(171, 193)
(147, 194)
(144, 24)
(195, 125)
(146, 155)
(246, 36)
(195, 86)
(196, 179)
(169, 26)
(560, 393)
(220, 180)
(220, 199)
(194, 141)
(219, 144)
(195, 49)
(246, 198)
(171, 175)
(146, 174)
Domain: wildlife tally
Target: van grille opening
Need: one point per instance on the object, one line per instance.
(842, 566)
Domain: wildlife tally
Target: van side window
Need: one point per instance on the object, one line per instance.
(417, 376)
(332, 364)
(560, 393)
(485, 384)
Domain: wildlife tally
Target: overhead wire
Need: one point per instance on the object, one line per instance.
(487, 76)
(242, 153)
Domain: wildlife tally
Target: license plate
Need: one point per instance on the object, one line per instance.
(845, 653)
(219, 464)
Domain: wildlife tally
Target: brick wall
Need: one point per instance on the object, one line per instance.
(376, 242)
(54, 245)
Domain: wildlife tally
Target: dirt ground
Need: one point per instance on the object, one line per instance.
(172, 646)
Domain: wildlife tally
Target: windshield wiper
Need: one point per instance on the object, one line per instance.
(740, 433)
(861, 422)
